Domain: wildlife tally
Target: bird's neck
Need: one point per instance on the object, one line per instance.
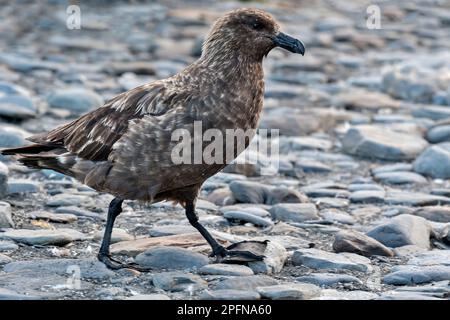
(238, 78)
(235, 69)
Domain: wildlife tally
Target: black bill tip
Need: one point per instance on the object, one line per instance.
(289, 43)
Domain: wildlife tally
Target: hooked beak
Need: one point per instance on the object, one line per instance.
(289, 43)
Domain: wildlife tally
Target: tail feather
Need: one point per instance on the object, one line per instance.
(39, 156)
(32, 149)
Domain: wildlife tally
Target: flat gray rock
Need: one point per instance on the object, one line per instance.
(403, 230)
(332, 294)
(368, 196)
(178, 281)
(338, 216)
(393, 168)
(23, 186)
(397, 197)
(364, 187)
(168, 230)
(59, 218)
(226, 270)
(291, 291)
(229, 294)
(359, 243)
(409, 275)
(8, 246)
(171, 258)
(429, 258)
(57, 237)
(79, 212)
(319, 259)
(311, 166)
(247, 217)
(434, 213)
(396, 295)
(328, 202)
(6, 294)
(400, 177)
(245, 282)
(295, 212)
(328, 279)
(254, 192)
(251, 209)
(89, 268)
(382, 143)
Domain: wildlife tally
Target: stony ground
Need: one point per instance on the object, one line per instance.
(359, 209)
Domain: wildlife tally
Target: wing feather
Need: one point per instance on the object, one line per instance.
(93, 135)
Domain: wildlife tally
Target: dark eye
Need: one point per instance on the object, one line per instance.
(257, 25)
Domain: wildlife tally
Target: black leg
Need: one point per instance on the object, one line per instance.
(222, 254)
(193, 220)
(115, 208)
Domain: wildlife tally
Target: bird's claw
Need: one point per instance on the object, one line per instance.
(115, 264)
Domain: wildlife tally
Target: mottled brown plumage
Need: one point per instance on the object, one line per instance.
(124, 148)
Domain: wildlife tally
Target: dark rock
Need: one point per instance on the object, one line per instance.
(359, 243)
